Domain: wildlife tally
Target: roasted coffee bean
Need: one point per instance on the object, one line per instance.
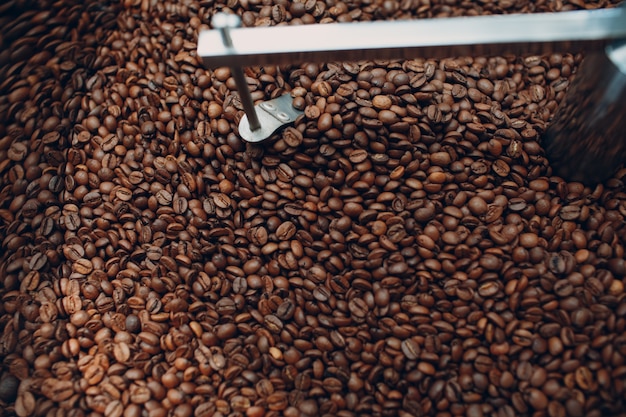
(286, 231)
(8, 388)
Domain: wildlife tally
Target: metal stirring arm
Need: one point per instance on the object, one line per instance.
(516, 34)
(433, 38)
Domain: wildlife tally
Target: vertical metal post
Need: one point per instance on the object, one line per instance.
(224, 22)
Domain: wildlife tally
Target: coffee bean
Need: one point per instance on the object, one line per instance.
(83, 266)
(277, 401)
(8, 388)
(382, 102)
(25, 403)
(57, 390)
(478, 206)
(358, 155)
(537, 399)
(286, 231)
(501, 168)
(273, 323)
(258, 235)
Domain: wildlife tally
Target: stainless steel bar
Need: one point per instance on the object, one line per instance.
(225, 23)
(432, 38)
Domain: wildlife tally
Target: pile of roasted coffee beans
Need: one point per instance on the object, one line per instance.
(402, 250)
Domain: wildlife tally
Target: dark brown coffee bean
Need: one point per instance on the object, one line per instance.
(273, 323)
(277, 401)
(8, 388)
(258, 235)
(358, 308)
(286, 231)
(57, 390)
(478, 206)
